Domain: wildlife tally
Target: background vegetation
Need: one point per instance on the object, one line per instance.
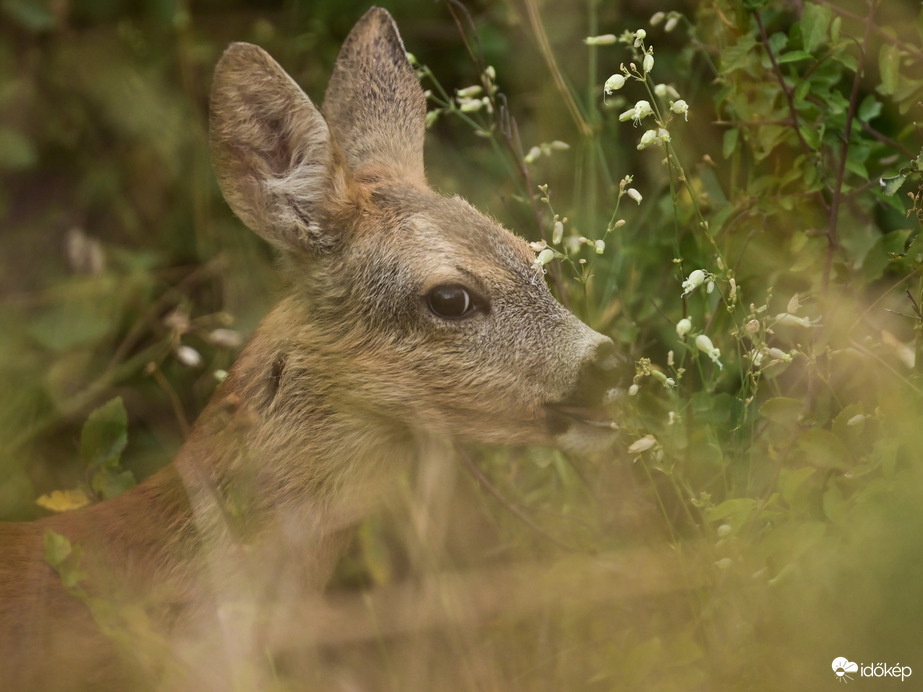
(762, 516)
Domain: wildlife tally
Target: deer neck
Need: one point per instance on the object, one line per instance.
(279, 464)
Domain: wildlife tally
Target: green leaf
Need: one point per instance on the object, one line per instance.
(890, 186)
(738, 56)
(889, 63)
(109, 482)
(729, 142)
(823, 449)
(792, 484)
(869, 109)
(794, 56)
(815, 22)
(64, 559)
(104, 435)
(57, 549)
(835, 506)
(736, 511)
(782, 410)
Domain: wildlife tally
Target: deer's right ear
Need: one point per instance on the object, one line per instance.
(272, 151)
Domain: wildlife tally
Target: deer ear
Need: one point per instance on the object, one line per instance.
(272, 151)
(374, 102)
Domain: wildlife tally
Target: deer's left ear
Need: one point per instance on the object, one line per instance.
(272, 152)
(374, 102)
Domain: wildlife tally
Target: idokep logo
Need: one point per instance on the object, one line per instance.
(842, 667)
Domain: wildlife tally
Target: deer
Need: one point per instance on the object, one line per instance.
(409, 319)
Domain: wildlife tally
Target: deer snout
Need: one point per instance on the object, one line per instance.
(580, 420)
(602, 372)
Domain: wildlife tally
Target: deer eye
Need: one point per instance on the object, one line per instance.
(452, 301)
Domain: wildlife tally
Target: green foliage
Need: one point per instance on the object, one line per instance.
(64, 559)
(778, 373)
(102, 442)
(779, 462)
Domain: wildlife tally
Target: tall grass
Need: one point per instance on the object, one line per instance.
(761, 516)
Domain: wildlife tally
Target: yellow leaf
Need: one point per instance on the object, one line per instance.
(63, 500)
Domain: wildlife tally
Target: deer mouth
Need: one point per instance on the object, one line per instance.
(563, 417)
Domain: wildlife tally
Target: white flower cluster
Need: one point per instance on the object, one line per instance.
(670, 104)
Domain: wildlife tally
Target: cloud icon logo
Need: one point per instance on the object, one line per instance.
(842, 666)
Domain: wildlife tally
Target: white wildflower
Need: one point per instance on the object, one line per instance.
(683, 327)
(789, 320)
(704, 344)
(680, 107)
(614, 83)
(188, 356)
(544, 257)
(642, 445)
(641, 110)
(603, 40)
(469, 92)
(634, 194)
(663, 91)
(695, 279)
(558, 233)
(467, 105)
(226, 338)
(779, 354)
(648, 63)
(647, 139)
(639, 35)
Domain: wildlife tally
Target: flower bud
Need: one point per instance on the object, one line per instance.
(642, 445)
(680, 107)
(544, 257)
(558, 233)
(188, 356)
(601, 40)
(614, 83)
(704, 344)
(646, 139)
(693, 281)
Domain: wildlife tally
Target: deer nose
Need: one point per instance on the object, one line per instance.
(605, 369)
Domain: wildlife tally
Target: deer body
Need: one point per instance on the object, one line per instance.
(411, 317)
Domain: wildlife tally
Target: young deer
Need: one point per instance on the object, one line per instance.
(411, 318)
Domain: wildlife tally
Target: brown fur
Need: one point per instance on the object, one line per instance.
(343, 384)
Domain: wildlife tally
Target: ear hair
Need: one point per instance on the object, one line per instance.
(374, 103)
(272, 151)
